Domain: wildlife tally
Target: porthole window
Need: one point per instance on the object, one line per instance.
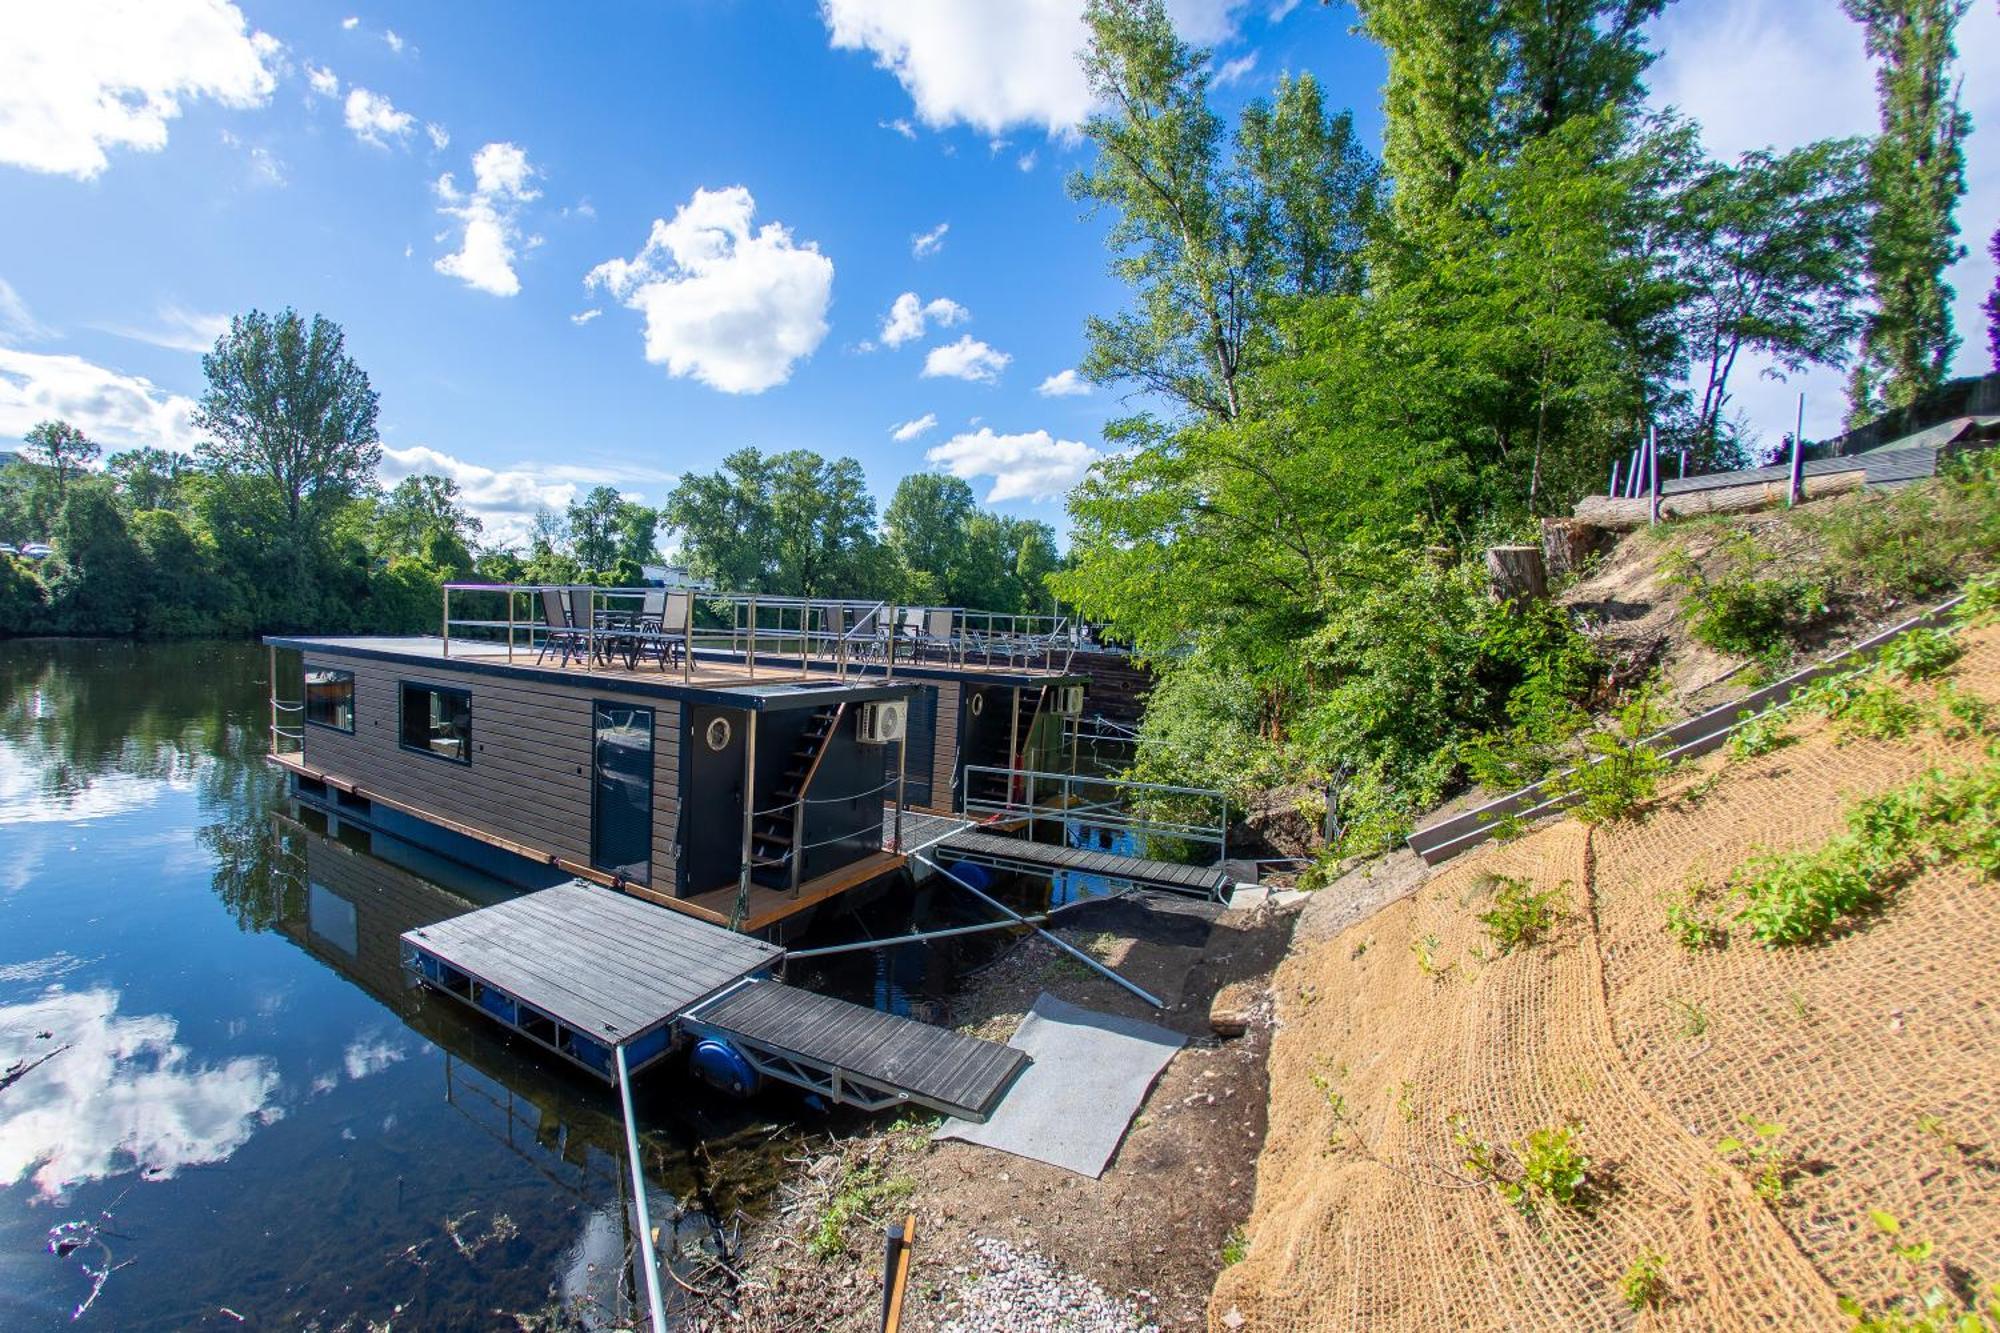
(978, 704)
(718, 733)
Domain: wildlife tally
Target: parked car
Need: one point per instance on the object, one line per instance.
(8, 548)
(38, 550)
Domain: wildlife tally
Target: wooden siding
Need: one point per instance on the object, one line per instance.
(529, 780)
(944, 748)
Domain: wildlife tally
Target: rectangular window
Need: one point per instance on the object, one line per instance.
(438, 721)
(621, 833)
(330, 698)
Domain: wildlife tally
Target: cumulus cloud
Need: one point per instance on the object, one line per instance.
(991, 65)
(1031, 466)
(120, 411)
(126, 1094)
(177, 329)
(731, 306)
(84, 76)
(908, 317)
(1063, 384)
(925, 244)
(966, 359)
(375, 120)
(1768, 73)
(490, 218)
(505, 498)
(911, 429)
(322, 80)
(350, 23)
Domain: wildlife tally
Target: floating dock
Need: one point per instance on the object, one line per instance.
(583, 970)
(1004, 853)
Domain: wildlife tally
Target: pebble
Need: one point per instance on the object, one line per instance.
(1021, 1291)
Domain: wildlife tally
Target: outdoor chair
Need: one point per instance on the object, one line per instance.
(559, 631)
(661, 633)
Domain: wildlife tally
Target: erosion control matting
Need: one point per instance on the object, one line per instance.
(1071, 1106)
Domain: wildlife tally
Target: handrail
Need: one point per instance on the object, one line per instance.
(1049, 795)
(805, 785)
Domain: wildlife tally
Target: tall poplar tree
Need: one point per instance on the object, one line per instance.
(1916, 177)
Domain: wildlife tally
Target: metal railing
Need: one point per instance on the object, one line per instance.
(1164, 822)
(798, 636)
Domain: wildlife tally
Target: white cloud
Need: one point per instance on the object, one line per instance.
(350, 23)
(925, 244)
(900, 126)
(966, 359)
(322, 80)
(365, 1056)
(583, 317)
(909, 430)
(440, 136)
(120, 411)
(733, 307)
(375, 120)
(484, 260)
(1031, 466)
(177, 329)
(1063, 384)
(82, 76)
(908, 316)
(395, 42)
(265, 166)
(505, 499)
(125, 1095)
(1235, 71)
(991, 64)
(1768, 73)
(1027, 160)
(16, 320)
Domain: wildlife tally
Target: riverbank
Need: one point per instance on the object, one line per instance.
(1139, 1247)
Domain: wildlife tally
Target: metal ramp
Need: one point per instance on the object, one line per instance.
(990, 849)
(852, 1054)
(582, 970)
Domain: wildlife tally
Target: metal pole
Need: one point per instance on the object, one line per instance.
(749, 816)
(274, 703)
(902, 770)
(1795, 490)
(510, 624)
(1612, 490)
(1652, 476)
(447, 620)
(752, 656)
(646, 1254)
(916, 937)
(1060, 943)
(687, 641)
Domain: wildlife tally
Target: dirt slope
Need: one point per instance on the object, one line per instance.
(1878, 1052)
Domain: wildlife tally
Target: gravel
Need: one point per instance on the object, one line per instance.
(1021, 1292)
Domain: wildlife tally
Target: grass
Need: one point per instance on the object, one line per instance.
(864, 1194)
(1742, 611)
(1234, 1246)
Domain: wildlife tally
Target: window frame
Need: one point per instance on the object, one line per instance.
(652, 784)
(305, 700)
(403, 688)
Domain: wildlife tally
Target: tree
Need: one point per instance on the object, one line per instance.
(925, 528)
(1473, 80)
(148, 478)
(61, 448)
(1916, 177)
(421, 518)
(822, 527)
(1993, 303)
(637, 526)
(286, 402)
(101, 568)
(1208, 244)
(593, 528)
(724, 521)
(1768, 259)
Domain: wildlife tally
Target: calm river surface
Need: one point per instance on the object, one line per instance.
(214, 1086)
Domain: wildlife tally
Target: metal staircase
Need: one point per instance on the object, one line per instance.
(778, 833)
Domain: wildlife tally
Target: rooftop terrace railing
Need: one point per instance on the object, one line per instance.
(680, 627)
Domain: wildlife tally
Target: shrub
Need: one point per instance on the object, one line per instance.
(1759, 733)
(1920, 654)
(1519, 915)
(1644, 1285)
(1735, 611)
(1621, 771)
(1759, 1155)
(1919, 540)
(1798, 897)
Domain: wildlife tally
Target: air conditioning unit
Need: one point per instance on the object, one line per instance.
(881, 722)
(1069, 700)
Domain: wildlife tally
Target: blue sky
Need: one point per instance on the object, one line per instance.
(735, 189)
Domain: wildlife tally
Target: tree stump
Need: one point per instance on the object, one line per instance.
(1517, 572)
(1567, 544)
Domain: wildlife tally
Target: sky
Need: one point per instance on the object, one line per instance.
(612, 244)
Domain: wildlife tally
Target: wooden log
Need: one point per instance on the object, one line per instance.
(1625, 515)
(1567, 544)
(1517, 572)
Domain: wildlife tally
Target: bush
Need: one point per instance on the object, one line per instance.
(1520, 915)
(1919, 540)
(1738, 612)
(1621, 772)
(1798, 897)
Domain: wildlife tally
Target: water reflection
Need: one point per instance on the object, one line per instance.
(114, 1094)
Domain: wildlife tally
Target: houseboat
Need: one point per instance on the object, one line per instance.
(739, 758)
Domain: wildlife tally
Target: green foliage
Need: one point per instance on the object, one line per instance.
(1761, 1157)
(1547, 1168)
(1920, 654)
(1620, 771)
(1737, 611)
(1643, 1285)
(1691, 921)
(863, 1194)
(1235, 1246)
(1952, 1306)
(1760, 734)
(1915, 541)
(1520, 914)
(1798, 897)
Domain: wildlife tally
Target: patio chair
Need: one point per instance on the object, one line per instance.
(662, 629)
(559, 631)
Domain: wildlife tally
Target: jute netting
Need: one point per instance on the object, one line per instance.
(1878, 1052)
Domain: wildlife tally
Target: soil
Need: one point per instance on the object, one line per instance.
(1150, 1231)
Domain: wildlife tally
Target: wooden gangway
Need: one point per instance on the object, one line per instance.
(1004, 853)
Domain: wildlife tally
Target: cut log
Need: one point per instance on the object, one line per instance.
(1517, 572)
(1623, 515)
(1567, 544)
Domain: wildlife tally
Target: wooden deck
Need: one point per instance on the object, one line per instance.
(601, 962)
(1020, 854)
(935, 1066)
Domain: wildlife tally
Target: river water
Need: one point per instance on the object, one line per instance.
(219, 1098)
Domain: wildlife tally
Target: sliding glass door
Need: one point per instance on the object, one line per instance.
(621, 826)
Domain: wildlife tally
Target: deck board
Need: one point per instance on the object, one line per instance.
(935, 1065)
(1020, 854)
(600, 961)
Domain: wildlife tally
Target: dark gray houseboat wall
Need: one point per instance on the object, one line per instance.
(529, 779)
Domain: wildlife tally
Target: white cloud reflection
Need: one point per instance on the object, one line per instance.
(124, 1096)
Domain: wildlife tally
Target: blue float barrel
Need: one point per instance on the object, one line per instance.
(721, 1066)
